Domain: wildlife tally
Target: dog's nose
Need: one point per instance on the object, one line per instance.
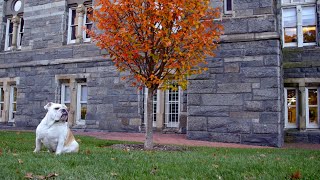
(63, 110)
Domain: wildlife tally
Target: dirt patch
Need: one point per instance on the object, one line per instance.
(156, 147)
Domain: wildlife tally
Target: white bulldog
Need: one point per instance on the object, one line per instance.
(53, 131)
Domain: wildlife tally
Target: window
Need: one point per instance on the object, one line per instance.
(312, 112)
(299, 23)
(73, 25)
(291, 110)
(9, 34)
(1, 103)
(228, 5)
(79, 18)
(154, 108)
(65, 95)
(13, 103)
(172, 108)
(82, 101)
(87, 24)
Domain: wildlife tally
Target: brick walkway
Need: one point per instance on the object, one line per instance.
(180, 139)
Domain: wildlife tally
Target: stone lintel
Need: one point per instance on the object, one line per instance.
(250, 37)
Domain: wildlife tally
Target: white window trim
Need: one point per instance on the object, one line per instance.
(11, 102)
(167, 110)
(7, 48)
(308, 125)
(80, 121)
(63, 90)
(299, 26)
(85, 39)
(297, 3)
(1, 103)
(70, 41)
(287, 124)
(6, 44)
(225, 7)
(156, 104)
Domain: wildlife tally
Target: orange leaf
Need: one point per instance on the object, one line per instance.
(296, 175)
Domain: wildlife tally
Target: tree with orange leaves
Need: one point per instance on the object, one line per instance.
(159, 42)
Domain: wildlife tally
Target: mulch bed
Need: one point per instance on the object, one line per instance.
(156, 147)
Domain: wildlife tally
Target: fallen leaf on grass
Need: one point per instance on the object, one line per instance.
(263, 155)
(40, 177)
(18, 132)
(52, 175)
(29, 176)
(215, 166)
(14, 154)
(78, 140)
(113, 159)
(154, 171)
(88, 152)
(114, 174)
(20, 161)
(0, 152)
(296, 175)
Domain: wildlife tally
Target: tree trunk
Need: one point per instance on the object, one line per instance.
(148, 144)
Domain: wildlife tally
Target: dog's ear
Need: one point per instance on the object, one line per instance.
(46, 107)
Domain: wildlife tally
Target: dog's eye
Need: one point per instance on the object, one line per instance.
(56, 108)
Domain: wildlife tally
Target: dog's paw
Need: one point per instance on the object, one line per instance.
(35, 151)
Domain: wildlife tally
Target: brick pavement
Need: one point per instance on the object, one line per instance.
(180, 139)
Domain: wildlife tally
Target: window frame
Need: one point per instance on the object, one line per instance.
(19, 33)
(1, 103)
(225, 5)
(308, 125)
(63, 95)
(71, 41)
(85, 23)
(299, 26)
(80, 121)
(155, 108)
(11, 102)
(288, 125)
(169, 123)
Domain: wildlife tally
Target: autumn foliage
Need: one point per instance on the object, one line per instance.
(158, 42)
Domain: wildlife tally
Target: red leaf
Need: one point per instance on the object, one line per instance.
(296, 175)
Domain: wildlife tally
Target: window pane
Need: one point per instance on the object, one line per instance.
(89, 14)
(313, 114)
(89, 26)
(83, 111)
(15, 107)
(1, 95)
(14, 94)
(308, 16)
(74, 18)
(67, 96)
(312, 98)
(68, 106)
(290, 35)
(21, 25)
(11, 27)
(229, 5)
(10, 40)
(289, 17)
(309, 34)
(84, 93)
(74, 32)
(292, 97)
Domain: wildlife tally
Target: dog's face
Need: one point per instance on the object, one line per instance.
(57, 112)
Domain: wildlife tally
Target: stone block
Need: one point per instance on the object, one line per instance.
(245, 115)
(265, 128)
(198, 135)
(234, 87)
(231, 68)
(260, 72)
(193, 99)
(201, 86)
(225, 137)
(209, 110)
(262, 139)
(255, 106)
(270, 117)
(266, 94)
(221, 99)
(197, 123)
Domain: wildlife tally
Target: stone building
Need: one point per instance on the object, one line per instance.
(255, 90)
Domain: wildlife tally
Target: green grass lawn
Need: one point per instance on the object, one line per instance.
(97, 161)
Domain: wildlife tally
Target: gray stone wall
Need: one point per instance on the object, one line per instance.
(112, 103)
(239, 99)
